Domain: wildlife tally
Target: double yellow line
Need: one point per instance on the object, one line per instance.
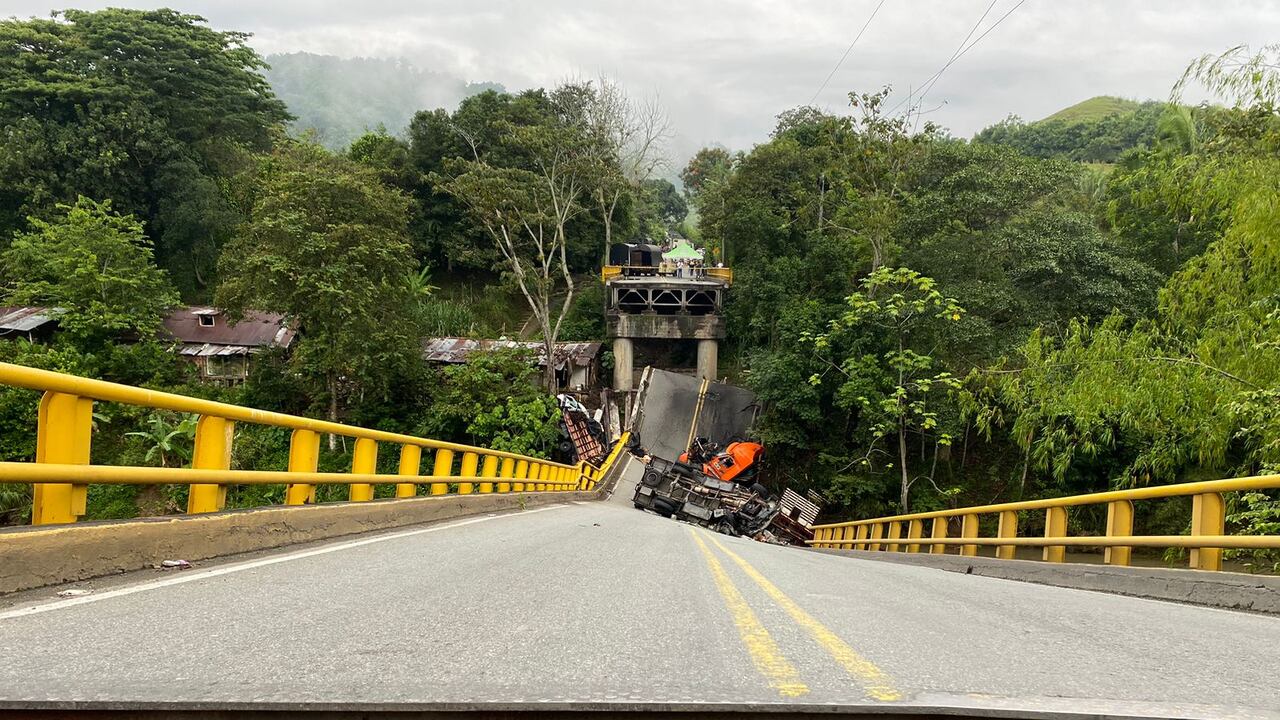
(764, 652)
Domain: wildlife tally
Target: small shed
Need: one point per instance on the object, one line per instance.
(577, 364)
(28, 321)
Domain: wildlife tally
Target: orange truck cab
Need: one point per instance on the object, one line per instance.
(733, 461)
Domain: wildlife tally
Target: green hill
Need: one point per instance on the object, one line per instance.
(1094, 109)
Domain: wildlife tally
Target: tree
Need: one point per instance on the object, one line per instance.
(149, 108)
(630, 137)
(95, 267)
(325, 244)
(494, 400)
(526, 212)
(894, 389)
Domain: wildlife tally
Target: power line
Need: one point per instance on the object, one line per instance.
(846, 53)
(928, 84)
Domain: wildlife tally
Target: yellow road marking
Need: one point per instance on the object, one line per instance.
(877, 682)
(764, 652)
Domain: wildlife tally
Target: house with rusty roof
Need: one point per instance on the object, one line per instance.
(205, 337)
(577, 364)
(221, 349)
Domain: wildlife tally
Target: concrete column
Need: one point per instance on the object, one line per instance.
(708, 359)
(623, 358)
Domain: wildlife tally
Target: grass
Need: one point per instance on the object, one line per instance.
(1095, 108)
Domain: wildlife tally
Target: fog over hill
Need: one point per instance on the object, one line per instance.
(339, 98)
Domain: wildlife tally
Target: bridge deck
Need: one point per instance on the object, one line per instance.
(599, 602)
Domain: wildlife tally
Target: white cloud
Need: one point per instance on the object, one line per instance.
(724, 70)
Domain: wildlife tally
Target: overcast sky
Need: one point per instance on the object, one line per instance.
(723, 69)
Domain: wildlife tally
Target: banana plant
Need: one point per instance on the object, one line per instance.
(167, 439)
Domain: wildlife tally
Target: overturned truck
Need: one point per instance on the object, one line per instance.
(683, 491)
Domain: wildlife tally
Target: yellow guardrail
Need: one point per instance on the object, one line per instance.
(61, 472)
(723, 273)
(608, 272)
(1207, 539)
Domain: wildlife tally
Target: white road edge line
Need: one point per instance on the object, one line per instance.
(187, 577)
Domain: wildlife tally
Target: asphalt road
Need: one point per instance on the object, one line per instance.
(600, 602)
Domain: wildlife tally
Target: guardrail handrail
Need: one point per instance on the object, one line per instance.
(1207, 539)
(62, 469)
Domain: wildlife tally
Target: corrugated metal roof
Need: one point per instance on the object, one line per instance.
(25, 318)
(207, 350)
(456, 350)
(256, 330)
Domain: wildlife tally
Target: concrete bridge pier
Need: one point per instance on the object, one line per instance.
(623, 363)
(708, 359)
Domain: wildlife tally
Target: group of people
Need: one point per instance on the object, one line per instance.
(683, 268)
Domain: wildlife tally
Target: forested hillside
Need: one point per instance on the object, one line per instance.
(928, 321)
(339, 99)
(1098, 130)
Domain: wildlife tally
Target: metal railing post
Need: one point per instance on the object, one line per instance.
(969, 529)
(914, 532)
(895, 532)
(64, 432)
(304, 457)
(364, 461)
(442, 467)
(489, 470)
(1119, 524)
(508, 470)
(1055, 525)
(938, 532)
(877, 532)
(212, 452)
(1008, 529)
(522, 473)
(1208, 517)
(410, 466)
(470, 462)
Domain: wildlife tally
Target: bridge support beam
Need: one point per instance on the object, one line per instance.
(708, 359)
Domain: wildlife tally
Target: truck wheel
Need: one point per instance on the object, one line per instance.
(638, 506)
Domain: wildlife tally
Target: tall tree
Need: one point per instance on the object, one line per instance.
(895, 389)
(148, 108)
(96, 267)
(631, 136)
(526, 210)
(325, 243)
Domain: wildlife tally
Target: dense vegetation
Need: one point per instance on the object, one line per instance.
(145, 161)
(1085, 302)
(933, 322)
